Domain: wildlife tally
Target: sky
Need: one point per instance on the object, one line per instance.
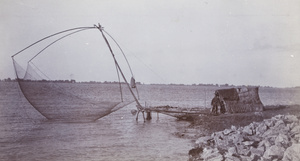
(239, 42)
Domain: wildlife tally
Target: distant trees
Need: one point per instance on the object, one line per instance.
(43, 80)
(138, 83)
(63, 81)
(7, 80)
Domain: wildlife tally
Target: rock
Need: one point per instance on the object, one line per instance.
(232, 158)
(227, 131)
(236, 138)
(282, 140)
(233, 128)
(207, 152)
(195, 152)
(257, 151)
(274, 152)
(256, 158)
(243, 150)
(295, 129)
(216, 156)
(292, 125)
(222, 143)
(271, 132)
(254, 138)
(211, 154)
(248, 143)
(265, 143)
(290, 118)
(278, 117)
(217, 134)
(292, 153)
(279, 123)
(260, 129)
(232, 150)
(245, 158)
(283, 130)
(296, 138)
(272, 139)
(203, 140)
(248, 130)
(255, 124)
(269, 122)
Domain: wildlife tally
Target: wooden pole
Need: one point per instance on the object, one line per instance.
(148, 115)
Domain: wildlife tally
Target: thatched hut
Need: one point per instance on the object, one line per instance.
(239, 100)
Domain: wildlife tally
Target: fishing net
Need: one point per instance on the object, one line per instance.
(78, 74)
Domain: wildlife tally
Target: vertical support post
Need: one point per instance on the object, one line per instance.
(139, 106)
(148, 115)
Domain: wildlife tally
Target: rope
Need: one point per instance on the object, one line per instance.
(51, 36)
(41, 74)
(110, 49)
(125, 59)
(55, 42)
(39, 70)
(121, 51)
(120, 85)
(19, 92)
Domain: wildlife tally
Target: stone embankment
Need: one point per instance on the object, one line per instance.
(277, 138)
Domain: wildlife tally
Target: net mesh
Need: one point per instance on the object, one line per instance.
(75, 80)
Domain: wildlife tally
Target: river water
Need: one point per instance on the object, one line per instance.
(26, 135)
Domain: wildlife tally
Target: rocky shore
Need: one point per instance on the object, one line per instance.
(276, 138)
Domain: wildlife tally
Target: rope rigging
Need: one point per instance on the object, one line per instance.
(39, 95)
(101, 29)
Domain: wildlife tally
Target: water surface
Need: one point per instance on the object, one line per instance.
(27, 135)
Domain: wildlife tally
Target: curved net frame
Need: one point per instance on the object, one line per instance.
(67, 76)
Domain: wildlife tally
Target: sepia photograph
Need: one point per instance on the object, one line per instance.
(160, 80)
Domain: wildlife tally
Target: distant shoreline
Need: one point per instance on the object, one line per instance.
(139, 83)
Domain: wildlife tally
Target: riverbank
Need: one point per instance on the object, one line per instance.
(213, 128)
(206, 125)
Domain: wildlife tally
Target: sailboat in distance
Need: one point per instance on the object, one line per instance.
(45, 72)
